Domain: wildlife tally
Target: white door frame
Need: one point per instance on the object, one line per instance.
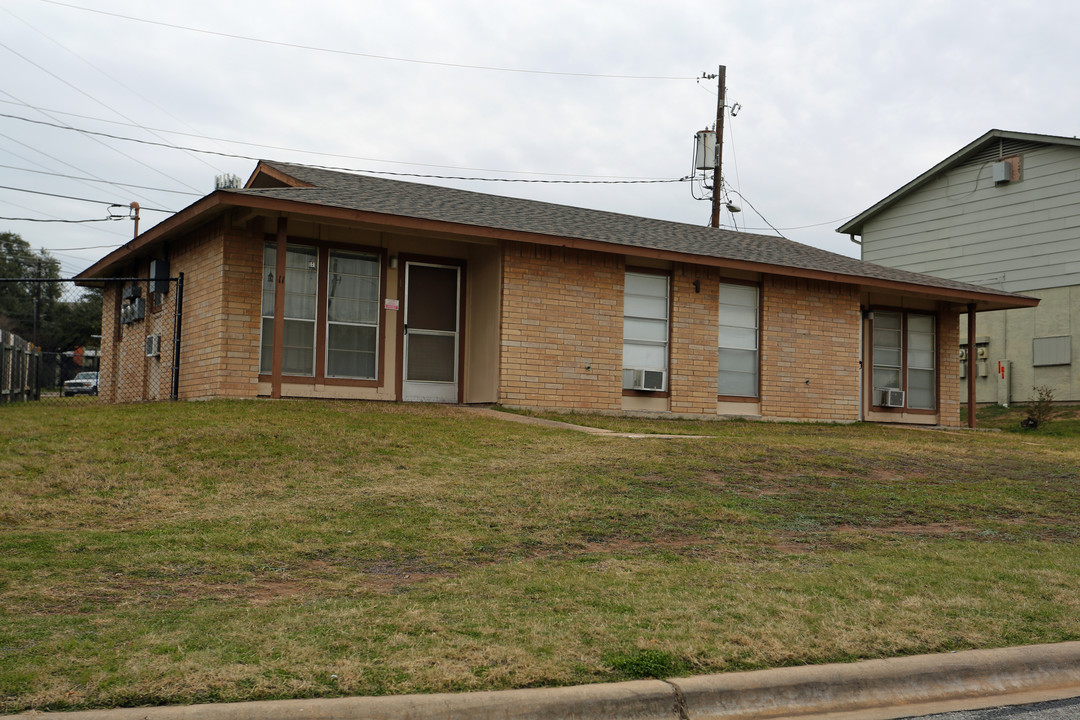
(428, 390)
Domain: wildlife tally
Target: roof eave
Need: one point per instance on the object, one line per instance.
(196, 212)
(984, 301)
(221, 200)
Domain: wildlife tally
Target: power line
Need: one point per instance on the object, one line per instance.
(109, 182)
(129, 157)
(323, 154)
(59, 220)
(88, 247)
(346, 169)
(55, 217)
(351, 53)
(758, 213)
(83, 92)
(814, 225)
(69, 197)
(51, 157)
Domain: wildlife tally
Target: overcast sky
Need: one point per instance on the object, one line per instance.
(841, 102)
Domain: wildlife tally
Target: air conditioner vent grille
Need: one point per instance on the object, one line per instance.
(647, 380)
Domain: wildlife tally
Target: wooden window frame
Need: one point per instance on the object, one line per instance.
(323, 254)
(904, 341)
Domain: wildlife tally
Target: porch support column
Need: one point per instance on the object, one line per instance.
(971, 364)
(279, 309)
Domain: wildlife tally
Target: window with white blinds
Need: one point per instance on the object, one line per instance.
(738, 341)
(645, 325)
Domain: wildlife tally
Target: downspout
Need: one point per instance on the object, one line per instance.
(177, 320)
(971, 364)
(279, 309)
(862, 368)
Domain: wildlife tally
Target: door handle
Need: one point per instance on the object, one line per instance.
(406, 329)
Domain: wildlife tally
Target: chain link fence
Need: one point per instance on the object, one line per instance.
(63, 343)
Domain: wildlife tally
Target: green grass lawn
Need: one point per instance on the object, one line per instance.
(222, 551)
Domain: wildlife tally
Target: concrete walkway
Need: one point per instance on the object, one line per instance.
(529, 420)
(868, 690)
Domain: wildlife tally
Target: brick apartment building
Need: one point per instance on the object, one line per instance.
(315, 283)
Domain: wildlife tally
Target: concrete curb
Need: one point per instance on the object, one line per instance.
(879, 684)
(879, 689)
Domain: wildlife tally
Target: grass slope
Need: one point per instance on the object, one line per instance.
(221, 551)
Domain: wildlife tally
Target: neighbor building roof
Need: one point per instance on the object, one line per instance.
(316, 192)
(994, 144)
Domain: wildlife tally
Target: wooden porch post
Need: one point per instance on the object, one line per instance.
(279, 309)
(971, 364)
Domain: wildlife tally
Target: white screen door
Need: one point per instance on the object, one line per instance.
(432, 297)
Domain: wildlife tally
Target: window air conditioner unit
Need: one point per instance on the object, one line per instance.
(153, 345)
(888, 397)
(647, 379)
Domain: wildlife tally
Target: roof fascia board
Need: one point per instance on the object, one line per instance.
(263, 168)
(379, 220)
(854, 226)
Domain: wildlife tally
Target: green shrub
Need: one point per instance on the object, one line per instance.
(640, 664)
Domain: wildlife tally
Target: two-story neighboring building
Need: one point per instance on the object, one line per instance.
(1002, 212)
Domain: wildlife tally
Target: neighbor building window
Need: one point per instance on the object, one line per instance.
(1051, 351)
(352, 315)
(301, 291)
(905, 351)
(645, 332)
(738, 341)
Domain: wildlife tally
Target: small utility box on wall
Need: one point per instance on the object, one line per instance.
(159, 276)
(1002, 172)
(1004, 382)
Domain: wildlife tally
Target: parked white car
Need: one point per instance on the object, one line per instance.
(85, 383)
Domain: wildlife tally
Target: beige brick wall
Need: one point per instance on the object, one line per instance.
(810, 331)
(561, 334)
(219, 355)
(694, 318)
(219, 352)
(563, 308)
(948, 340)
(238, 334)
(199, 256)
(127, 374)
(561, 312)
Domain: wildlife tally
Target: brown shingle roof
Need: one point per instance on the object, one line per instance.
(430, 202)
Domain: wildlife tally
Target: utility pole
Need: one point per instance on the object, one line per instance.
(721, 91)
(135, 216)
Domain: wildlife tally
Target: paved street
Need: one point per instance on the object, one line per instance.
(1055, 710)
